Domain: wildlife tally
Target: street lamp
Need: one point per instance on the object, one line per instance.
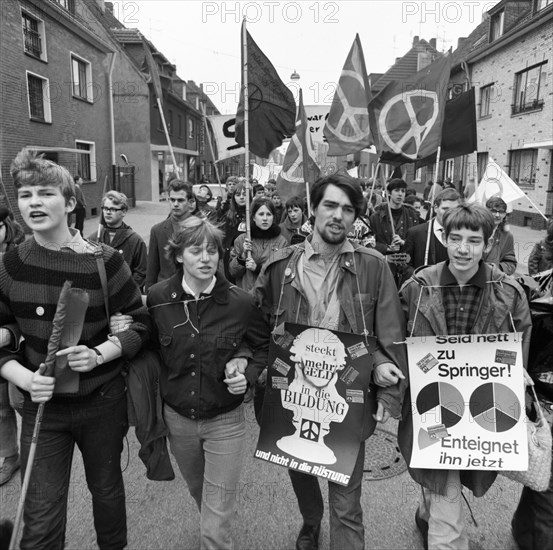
(294, 75)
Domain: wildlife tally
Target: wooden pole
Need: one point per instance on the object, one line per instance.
(246, 130)
(167, 136)
(432, 197)
(208, 138)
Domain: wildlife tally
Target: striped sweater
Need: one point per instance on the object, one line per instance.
(31, 278)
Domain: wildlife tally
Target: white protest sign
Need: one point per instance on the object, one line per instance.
(316, 118)
(467, 395)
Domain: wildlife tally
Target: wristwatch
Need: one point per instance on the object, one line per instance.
(99, 357)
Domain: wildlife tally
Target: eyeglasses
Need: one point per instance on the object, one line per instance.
(191, 200)
(110, 210)
(494, 211)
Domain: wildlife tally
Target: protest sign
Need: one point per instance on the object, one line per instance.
(467, 395)
(317, 382)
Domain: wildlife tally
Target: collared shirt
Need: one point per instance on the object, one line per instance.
(205, 292)
(461, 304)
(438, 231)
(318, 276)
(77, 243)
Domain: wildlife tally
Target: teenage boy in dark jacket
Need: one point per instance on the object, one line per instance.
(117, 234)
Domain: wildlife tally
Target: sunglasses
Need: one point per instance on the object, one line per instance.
(110, 210)
(494, 211)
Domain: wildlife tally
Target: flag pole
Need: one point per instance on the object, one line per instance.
(534, 205)
(388, 204)
(375, 174)
(208, 137)
(305, 164)
(432, 197)
(167, 136)
(246, 128)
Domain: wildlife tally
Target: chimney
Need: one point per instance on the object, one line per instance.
(415, 40)
(432, 42)
(109, 7)
(460, 41)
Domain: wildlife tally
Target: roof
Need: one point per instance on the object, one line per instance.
(405, 66)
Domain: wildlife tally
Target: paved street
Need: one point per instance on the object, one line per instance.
(161, 515)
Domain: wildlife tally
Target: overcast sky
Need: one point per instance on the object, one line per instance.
(311, 37)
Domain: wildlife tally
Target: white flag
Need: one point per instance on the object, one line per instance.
(223, 130)
(496, 183)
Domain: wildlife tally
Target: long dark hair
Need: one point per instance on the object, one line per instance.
(234, 209)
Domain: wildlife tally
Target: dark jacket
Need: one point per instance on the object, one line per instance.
(288, 229)
(537, 261)
(503, 297)
(364, 279)
(145, 413)
(381, 225)
(197, 338)
(415, 246)
(502, 252)
(131, 245)
(159, 267)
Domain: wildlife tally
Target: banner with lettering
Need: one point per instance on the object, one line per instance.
(467, 395)
(317, 383)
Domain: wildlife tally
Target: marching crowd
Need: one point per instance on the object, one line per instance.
(204, 297)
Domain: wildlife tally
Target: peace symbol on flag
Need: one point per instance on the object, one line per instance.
(399, 125)
(353, 124)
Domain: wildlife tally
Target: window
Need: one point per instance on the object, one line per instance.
(39, 101)
(180, 125)
(170, 121)
(448, 168)
(82, 78)
(496, 25)
(543, 4)
(33, 36)
(69, 5)
(528, 95)
(522, 166)
(481, 164)
(190, 128)
(86, 161)
(485, 100)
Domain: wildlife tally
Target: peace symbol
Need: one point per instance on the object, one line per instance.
(310, 430)
(417, 132)
(349, 114)
(291, 171)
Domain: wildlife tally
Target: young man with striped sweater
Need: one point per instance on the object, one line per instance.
(95, 417)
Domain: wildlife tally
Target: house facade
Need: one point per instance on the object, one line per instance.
(512, 71)
(54, 80)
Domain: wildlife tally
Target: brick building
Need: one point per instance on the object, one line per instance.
(511, 69)
(54, 80)
(507, 59)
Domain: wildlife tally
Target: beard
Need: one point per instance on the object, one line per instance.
(333, 239)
